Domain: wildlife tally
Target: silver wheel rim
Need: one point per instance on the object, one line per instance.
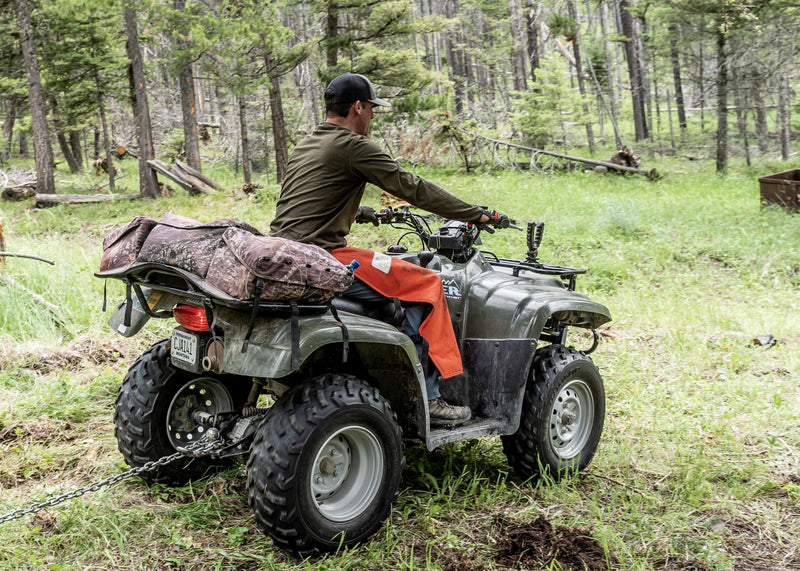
(347, 473)
(203, 394)
(571, 419)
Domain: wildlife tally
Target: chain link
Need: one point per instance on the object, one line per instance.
(199, 448)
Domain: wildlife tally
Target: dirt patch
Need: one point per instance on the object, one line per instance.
(44, 359)
(537, 544)
(46, 430)
(689, 564)
(758, 548)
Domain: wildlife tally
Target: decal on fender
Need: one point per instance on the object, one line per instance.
(451, 289)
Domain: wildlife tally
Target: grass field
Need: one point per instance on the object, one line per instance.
(698, 467)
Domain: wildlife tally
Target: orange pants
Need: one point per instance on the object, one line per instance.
(393, 277)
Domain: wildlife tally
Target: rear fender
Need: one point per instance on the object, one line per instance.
(376, 350)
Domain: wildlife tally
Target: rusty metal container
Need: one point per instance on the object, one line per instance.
(782, 188)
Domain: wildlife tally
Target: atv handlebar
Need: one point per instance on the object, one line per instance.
(453, 239)
(390, 215)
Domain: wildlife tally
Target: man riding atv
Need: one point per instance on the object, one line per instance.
(320, 197)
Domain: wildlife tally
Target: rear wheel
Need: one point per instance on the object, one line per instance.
(562, 418)
(325, 466)
(153, 411)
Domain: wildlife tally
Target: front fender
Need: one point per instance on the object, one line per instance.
(572, 312)
(504, 306)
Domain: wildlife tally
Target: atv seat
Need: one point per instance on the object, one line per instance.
(388, 310)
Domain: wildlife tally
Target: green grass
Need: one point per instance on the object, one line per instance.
(698, 467)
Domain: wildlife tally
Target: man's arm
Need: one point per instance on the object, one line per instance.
(378, 168)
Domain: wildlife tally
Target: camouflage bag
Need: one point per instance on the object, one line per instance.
(246, 266)
(237, 259)
(187, 243)
(121, 247)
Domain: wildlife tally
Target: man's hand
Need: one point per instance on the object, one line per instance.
(494, 218)
(367, 214)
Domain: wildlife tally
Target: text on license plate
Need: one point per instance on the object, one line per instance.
(184, 346)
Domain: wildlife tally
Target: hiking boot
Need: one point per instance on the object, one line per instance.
(443, 414)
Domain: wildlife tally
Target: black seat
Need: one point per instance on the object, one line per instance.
(389, 310)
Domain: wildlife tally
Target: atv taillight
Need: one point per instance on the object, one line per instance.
(191, 317)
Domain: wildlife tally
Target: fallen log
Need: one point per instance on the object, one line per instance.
(191, 183)
(17, 193)
(196, 173)
(652, 174)
(45, 200)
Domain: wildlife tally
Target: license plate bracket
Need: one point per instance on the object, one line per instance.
(185, 350)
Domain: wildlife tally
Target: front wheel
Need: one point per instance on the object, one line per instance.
(325, 465)
(562, 418)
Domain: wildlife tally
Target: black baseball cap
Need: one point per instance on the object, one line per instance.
(350, 87)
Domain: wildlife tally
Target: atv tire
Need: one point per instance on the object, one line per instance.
(326, 465)
(152, 410)
(562, 418)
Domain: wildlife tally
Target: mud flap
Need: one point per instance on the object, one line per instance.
(495, 373)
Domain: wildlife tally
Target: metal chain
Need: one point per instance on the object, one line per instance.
(199, 448)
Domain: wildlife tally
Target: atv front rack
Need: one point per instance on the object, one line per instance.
(568, 275)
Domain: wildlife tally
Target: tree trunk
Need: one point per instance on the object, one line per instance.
(43, 152)
(644, 65)
(676, 77)
(762, 131)
(784, 126)
(518, 56)
(8, 127)
(148, 183)
(611, 66)
(245, 141)
(741, 119)
(455, 57)
(191, 140)
(75, 145)
(634, 71)
(278, 124)
(74, 164)
(576, 49)
(331, 35)
(532, 28)
(191, 143)
(722, 104)
(61, 137)
(104, 123)
(700, 86)
(107, 144)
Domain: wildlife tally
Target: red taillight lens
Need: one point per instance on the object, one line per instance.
(191, 317)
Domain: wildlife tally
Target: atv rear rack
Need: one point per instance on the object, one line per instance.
(176, 281)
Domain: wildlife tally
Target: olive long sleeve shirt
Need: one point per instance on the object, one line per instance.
(325, 180)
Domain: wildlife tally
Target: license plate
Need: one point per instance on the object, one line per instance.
(184, 346)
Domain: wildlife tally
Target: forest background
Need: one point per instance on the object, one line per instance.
(702, 78)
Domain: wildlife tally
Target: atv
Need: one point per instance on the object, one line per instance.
(320, 398)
